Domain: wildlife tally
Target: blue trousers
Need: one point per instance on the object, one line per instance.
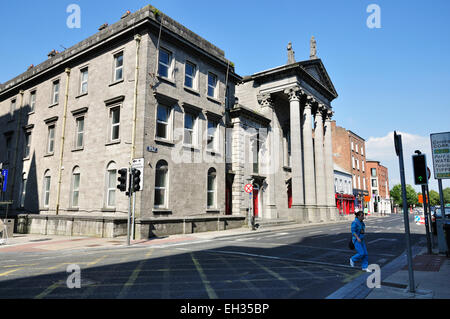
(361, 254)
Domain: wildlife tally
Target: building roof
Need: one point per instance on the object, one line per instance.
(337, 168)
(148, 14)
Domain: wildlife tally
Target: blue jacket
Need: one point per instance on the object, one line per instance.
(359, 228)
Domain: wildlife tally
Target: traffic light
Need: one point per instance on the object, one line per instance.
(136, 180)
(122, 179)
(420, 169)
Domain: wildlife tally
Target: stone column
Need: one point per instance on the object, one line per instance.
(308, 154)
(321, 191)
(271, 165)
(328, 152)
(298, 198)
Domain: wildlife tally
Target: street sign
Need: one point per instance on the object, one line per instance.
(138, 164)
(440, 150)
(248, 188)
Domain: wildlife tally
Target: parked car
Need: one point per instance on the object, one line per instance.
(437, 213)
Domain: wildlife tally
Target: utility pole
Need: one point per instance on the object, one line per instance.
(399, 151)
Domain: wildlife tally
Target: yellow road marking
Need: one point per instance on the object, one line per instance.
(11, 266)
(276, 275)
(47, 291)
(97, 260)
(133, 277)
(211, 293)
(9, 272)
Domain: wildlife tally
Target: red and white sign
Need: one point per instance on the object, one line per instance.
(248, 188)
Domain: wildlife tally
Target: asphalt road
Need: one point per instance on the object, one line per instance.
(303, 262)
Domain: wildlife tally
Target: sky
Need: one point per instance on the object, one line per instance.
(392, 78)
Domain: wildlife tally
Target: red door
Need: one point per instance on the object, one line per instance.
(289, 196)
(255, 202)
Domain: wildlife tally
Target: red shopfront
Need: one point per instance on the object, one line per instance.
(345, 204)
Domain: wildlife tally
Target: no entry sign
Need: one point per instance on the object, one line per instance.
(248, 188)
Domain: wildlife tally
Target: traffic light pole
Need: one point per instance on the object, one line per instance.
(425, 213)
(399, 151)
(129, 206)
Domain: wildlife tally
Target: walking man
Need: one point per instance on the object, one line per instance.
(358, 232)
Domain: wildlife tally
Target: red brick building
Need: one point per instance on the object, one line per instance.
(377, 179)
(349, 153)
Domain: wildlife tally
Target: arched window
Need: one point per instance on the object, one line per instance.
(161, 184)
(46, 193)
(111, 176)
(75, 187)
(211, 193)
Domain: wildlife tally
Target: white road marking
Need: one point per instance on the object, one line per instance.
(276, 235)
(339, 240)
(380, 239)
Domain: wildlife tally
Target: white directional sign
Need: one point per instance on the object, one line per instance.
(138, 163)
(440, 149)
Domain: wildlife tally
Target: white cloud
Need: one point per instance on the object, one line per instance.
(382, 149)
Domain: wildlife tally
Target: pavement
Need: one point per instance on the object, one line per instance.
(431, 272)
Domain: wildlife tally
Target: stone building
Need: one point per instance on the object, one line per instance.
(378, 181)
(349, 153)
(145, 88)
(281, 142)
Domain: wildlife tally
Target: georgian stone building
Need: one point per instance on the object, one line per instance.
(282, 143)
(148, 88)
(145, 87)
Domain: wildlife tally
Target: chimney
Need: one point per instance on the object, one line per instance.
(126, 14)
(52, 53)
(103, 26)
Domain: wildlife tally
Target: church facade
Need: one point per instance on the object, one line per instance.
(282, 142)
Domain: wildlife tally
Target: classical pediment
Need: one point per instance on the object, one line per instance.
(317, 70)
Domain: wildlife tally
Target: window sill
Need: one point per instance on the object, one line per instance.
(116, 82)
(212, 211)
(54, 104)
(81, 95)
(161, 211)
(163, 141)
(44, 209)
(78, 149)
(191, 90)
(213, 153)
(113, 142)
(108, 210)
(72, 209)
(31, 112)
(192, 148)
(287, 168)
(167, 80)
(26, 158)
(49, 154)
(213, 99)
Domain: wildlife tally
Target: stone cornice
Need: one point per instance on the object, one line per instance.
(241, 111)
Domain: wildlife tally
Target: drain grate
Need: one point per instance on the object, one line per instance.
(427, 263)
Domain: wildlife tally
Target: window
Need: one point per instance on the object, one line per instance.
(357, 164)
(23, 190)
(211, 196)
(374, 183)
(353, 162)
(12, 107)
(162, 122)
(212, 85)
(374, 172)
(79, 136)
(255, 145)
(352, 145)
(114, 123)
(364, 183)
(75, 187)
(212, 131)
(111, 175)
(118, 67)
(55, 92)
(8, 147)
(165, 62)
(32, 101)
(27, 144)
(161, 182)
(190, 75)
(363, 166)
(84, 81)
(46, 194)
(362, 150)
(359, 182)
(190, 129)
(51, 139)
(356, 145)
(354, 181)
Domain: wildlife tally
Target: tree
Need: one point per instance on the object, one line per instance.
(411, 195)
(446, 192)
(434, 198)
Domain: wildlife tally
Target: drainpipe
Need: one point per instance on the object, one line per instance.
(61, 153)
(19, 120)
(137, 38)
